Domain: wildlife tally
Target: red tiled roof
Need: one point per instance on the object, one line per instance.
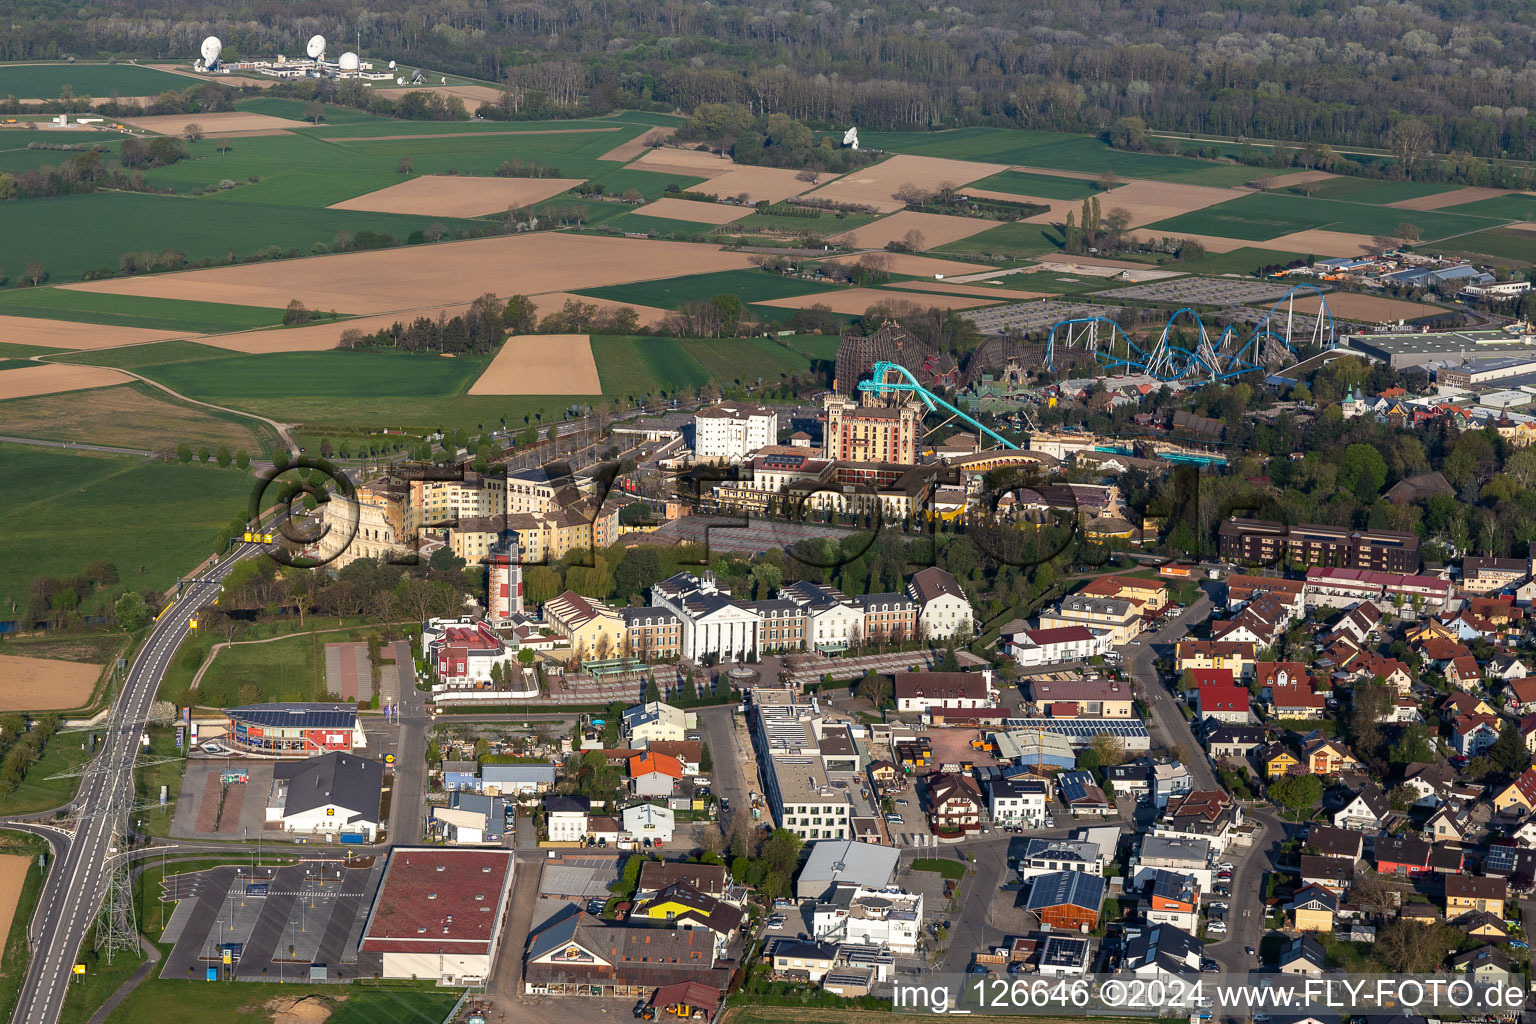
(438, 900)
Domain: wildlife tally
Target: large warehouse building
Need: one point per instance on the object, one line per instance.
(440, 913)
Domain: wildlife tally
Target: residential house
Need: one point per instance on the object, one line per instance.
(954, 804)
(1313, 908)
(1171, 898)
(566, 817)
(1519, 796)
(1233, 742)
(1465, 893)
(1324, 756)
(1083, 698)
(1304, 957)
(1162, 952)
(1234, 656)
(1404, 855)
(1018, 801)
(1332, 873)
(652, 774)
(1472, 735)
(1323, 841)
(1278, 761)
(1366, 811)
(944, 610)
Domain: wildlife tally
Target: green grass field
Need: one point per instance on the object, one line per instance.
(153, 520)
(73, 234)
(1016, 241)
(662, 227)
(750, 285)
(1055, 151)
(745, 360)
(1043, 186)
(196, 1002)
(1246, 260)
(1369, 190)
(1514, 245)
(47, 81)
(1517, 206)
(135, 311)
(284, 670)
(1268, 215)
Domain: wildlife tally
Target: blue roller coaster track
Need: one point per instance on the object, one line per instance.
(890, 378)
(1230, 355)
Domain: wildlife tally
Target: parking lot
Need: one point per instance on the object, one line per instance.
(210, 809)
(274, 922)
(1199, 291)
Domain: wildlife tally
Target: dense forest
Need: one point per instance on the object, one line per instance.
(1335, 71)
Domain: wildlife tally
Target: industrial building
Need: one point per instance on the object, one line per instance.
(439, 913)
(1417, 348)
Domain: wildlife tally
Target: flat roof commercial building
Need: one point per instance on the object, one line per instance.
(1417, 349)
(439, 913)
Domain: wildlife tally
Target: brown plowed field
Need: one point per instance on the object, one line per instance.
(875, 185)
(449, 195)
(45, 684)
(541, 364)
(51, 378)
(64, 334)
(422, 276)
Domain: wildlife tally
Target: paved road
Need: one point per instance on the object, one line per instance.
(1173, 730)
(77, 447)
(77, 881)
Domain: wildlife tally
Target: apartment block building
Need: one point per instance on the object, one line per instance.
(1264, 542)
(732, 431)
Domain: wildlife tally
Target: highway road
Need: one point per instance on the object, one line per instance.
(77, 881)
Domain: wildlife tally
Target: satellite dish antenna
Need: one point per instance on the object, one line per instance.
(210, 50)
(851, 138)
(391, 65)
(348, 61)
(315, 47)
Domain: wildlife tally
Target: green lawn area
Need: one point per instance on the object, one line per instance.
(815, 346)
(1246, 260)
(1368, 190)
(749, 285)
(47, 81)
(1016, 241)
(142, 357)
(1043, 186)
(70, 235)
(135, 311)
(1516, 245)
(1271, 214)
(37, 792)
(662, 227)
(1056, 151)
(822, 224)
(1517, 206)
(156, 820)
(197, 1002)
(153, 520)
(947, 868)
(294, 110)
(283, 670)
(745, 360)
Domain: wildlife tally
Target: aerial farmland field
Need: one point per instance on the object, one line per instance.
(47, 81)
